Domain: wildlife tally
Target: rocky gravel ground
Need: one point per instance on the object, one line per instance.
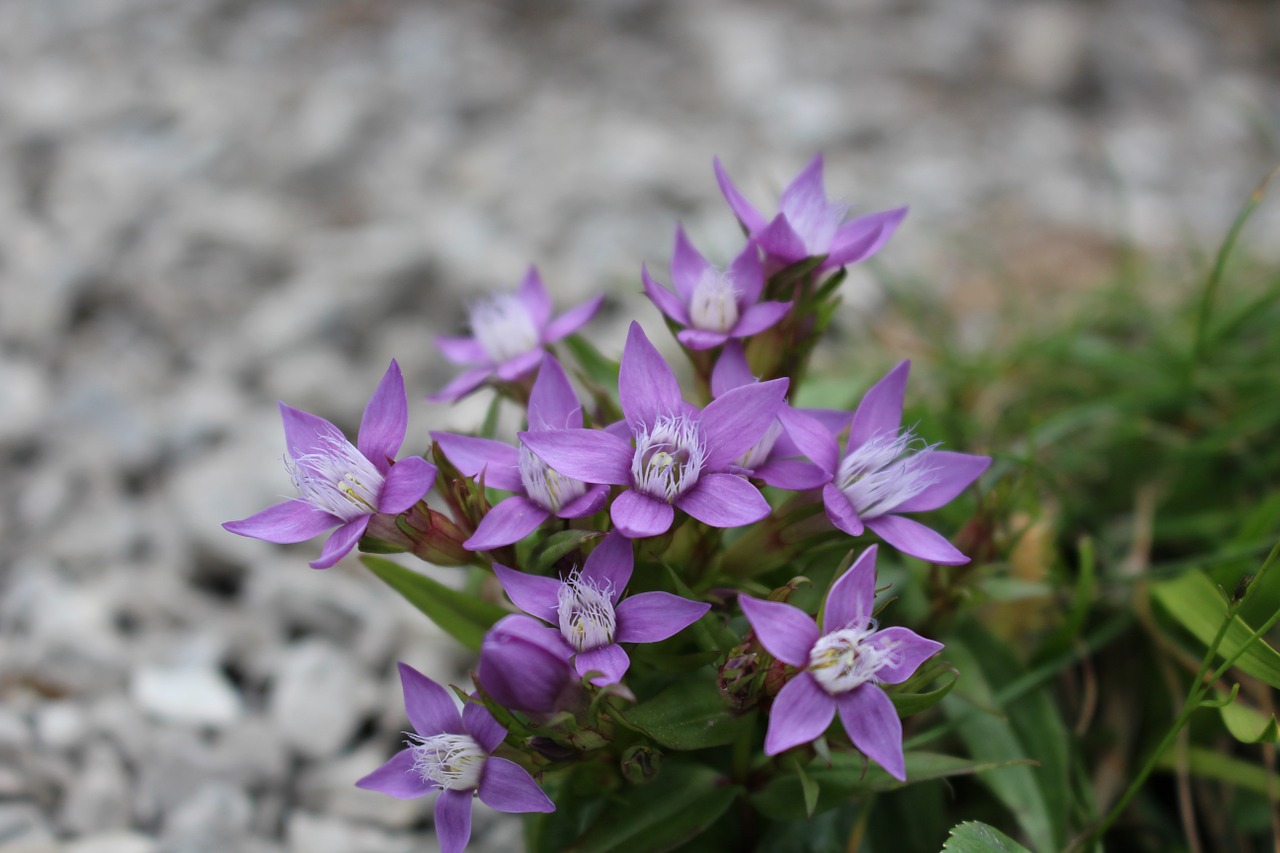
(208, 205)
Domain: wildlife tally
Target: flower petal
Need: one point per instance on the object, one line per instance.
(508, 787)
(407, 482)
(805, 192)
(840, 512)
(428, 705)
(859, 239)
(734, 421)
(759, 317)
(462, 350)
(873, 725)
(340, 542)
(913, 538)
(910, 650)
(724, 500)
(638, 516)
(610, 661)
(786, 632)
(520, 365)
(647, 386)
(588, 503)
(285, 523)
(397, 778)
(812, 438)
(462, 385)
(801, 713)
(590, 455)
(652, 617)
(552, 402)
(499, 461)
(305, 433)
(506, 522)
(747, 274)
(792, 474)
(851, 599)
(780, 241)
(751, 219)
(952, 473)
(482, 726)
(610, 564)
(535, 595)
(572, 320)
(385, 419)
(533, 296)
(668, 303)
(453, 819)
(731, 370)
(701, 338)
(881, 408)
(524, 664)
(688, 267)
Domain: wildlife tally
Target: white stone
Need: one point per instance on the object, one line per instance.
(319, 698)
(114, 842)
(186, 694)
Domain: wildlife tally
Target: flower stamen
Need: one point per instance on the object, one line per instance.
(668, 458)
(586, 614)
(842, 660)
(882, 474)
(454, 762)
(337, 478)
(714, 304)
(503, 326)
(546, 486)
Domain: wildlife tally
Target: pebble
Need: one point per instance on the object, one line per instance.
(186, 694)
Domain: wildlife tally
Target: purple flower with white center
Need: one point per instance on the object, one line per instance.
(591, 619)
(808, 225)
(885, 472)
(341, 485)
(715, 306)
(841, 667)
(510, 334)
(525, 666)
(676, 457)
(774, 458)
(453, 753)
(539, 490)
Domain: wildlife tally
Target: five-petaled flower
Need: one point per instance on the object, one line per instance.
(453, 753)
(715, 305)
(808, 225)
(539, 490)
(673, 456)
(591, 619)
(510, 334)
(883, 474)
(841, 667)
(341, 485)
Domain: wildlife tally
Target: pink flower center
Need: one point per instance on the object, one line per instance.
(714, 304)
(453, 762)
(843, 660)
(668, 458)
(587, 617)
(337, 478)
(882, 474)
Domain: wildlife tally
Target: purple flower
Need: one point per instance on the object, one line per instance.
(673, 455)
(511, 331)
(774, 458)
(524, 665)
(453, 753)
(340, 485)
(884, 472)
(586, 609)
(841, 667)
(808, 225)
(539, 490)
(715, 305)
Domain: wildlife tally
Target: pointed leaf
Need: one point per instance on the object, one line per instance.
(977, 837)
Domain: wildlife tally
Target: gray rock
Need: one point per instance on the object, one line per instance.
(312, 833)
(214, 820)
(114, 842)
(319, 698)
(190, 694)
(99, 797)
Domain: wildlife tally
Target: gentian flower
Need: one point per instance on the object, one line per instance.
(715, 305)
(807, 225)
(539, 490)
(841, 667)
(591, 619)
(674, 456)
(882, 475)
(511, 332)
(774, 458)
(525, 666)
(340, 485)
(453, 753)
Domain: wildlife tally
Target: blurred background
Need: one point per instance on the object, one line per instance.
(209, 205)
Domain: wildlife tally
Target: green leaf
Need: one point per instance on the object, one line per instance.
(594, 365)
(679, 806)
(1249, 725)
(908, 703)
(977, 837)
(1197, 605)
(1212, 764)
(690, 715)
(848, 776)
(462, 616)
(550, 550)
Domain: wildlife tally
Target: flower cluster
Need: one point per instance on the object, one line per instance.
(635, 526)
